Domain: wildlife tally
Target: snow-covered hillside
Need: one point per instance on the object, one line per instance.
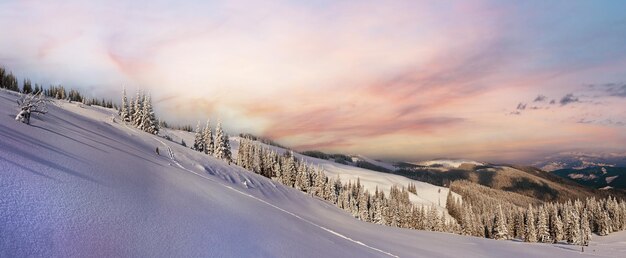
(448, 163)
(76, 184)
(427, 194)
(381, 164)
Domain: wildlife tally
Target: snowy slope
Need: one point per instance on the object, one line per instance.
(75, 184)
(382, 164)
(448, 163)
(427, 194)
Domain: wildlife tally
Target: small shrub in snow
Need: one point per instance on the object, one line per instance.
(29, 104)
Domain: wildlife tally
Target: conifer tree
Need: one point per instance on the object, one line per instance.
(198, 143)
(289, 171)
(500, 230)
(302, 178)
(585, 229)
(207, 138)
(124, 111)
(573, 228)
(148, 122)
(222, 144)
(28, 87)
(543, 233)
(604, 223)
(556, 226)
(531, 230)
(138, 109)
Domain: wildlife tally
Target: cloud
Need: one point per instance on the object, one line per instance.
(540, 98)
(568, 99)
(342, 75)
(612, 89)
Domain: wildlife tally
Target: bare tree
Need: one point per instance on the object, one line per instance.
(31, 103)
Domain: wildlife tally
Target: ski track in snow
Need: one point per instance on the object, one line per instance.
(171, 154)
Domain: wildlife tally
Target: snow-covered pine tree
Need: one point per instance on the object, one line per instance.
(207, 137)
(604, 225)
(257, 161)
(277, 168)
(573, 231)
(301, 177)
(500, 231)
(363, 205)
(328, 188)
(333, 191)
(451, 203)
(124, 111)
(585, 229)
(239, 160)
(148, 122)
(268, 162)
(138, 108)
(289, 171)
(131, 109)
(520, 226)
(531, 229)
(556, 226)
(222, 144)
(543, 232)
(466, 221)
(198, 143)
(320, 181)
(156, 125)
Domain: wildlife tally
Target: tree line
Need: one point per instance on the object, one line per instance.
(476, 214)
(393, 210)
(10, 82)
(216, 145)
(549, 222)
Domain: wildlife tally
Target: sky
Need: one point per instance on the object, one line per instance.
(499, 81)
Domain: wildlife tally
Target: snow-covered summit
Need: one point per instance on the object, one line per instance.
(448, 163)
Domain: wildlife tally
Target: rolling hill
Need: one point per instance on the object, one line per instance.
(596, 177)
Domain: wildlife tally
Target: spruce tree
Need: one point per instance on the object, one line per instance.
(124, 111)
(222, 144)
(573, 228)
(531, 230)
(198, 143)
(604, 226)
(585, 229)
(556, 226)
(500, 230)
(138, 109)
(543, 233)
(207, 138)
(148, 122)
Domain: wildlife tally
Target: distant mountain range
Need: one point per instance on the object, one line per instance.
(596, 177)
(580, 160)
(528, 181)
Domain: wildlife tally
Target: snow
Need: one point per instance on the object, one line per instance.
(375, 162)
(610, 179)
(449, 163)
(75, 184)
(427, 194)
(582, 176)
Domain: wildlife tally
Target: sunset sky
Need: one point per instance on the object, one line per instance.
(501, 81)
